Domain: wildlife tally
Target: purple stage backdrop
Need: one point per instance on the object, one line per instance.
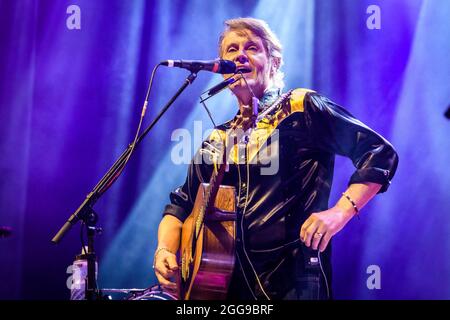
(73, 76)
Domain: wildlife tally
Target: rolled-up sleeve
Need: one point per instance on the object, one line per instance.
(333, 129)
(182, 198)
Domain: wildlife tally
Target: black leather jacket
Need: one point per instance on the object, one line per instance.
(272, 207)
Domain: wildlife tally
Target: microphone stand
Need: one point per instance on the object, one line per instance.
(85, 211)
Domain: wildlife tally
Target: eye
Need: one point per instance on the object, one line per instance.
(252, 47)
(231, 49)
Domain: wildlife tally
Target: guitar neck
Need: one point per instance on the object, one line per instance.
(214, 183)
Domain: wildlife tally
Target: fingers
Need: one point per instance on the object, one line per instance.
(304, 227)
(308, 229)
(165, 268)
(165, 283)
(317, 237)
(324, 243)
(172, 262)
(166, 263)
(315, 234)
(320, 227)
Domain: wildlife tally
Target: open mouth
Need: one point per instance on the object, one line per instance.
(243, 69)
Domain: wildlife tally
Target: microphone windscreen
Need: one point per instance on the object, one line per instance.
(226, 66)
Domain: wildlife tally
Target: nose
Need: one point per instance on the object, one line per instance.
(241, 57)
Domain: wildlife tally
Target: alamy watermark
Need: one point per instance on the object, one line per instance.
(374, 280)
(373, 22)
(260, 148)
(76, 279)
(73, 21)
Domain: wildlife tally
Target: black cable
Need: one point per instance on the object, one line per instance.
(208, 112)
(210, 95)
(124, 161)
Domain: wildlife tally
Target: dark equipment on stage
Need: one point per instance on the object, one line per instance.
(5, 232)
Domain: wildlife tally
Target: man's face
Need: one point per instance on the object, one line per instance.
(247, 50)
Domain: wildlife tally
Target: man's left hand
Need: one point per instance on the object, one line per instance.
(320, 227)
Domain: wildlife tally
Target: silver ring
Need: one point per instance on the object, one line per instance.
(318, 235)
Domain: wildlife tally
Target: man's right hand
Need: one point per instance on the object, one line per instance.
(166, 267)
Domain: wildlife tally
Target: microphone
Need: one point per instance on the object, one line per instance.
(227, 82)
(221, 85)
(217, 66)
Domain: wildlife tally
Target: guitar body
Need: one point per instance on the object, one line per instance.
(208, 254)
